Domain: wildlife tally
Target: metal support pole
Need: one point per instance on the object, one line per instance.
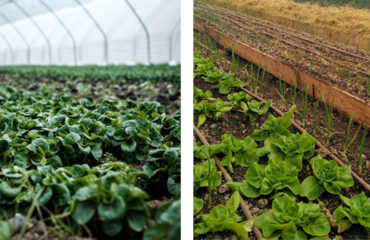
(10, 47)
(20, 35)
(37, 26)
(65, 27)
(144, 27)
(106, 53)
(171, 37)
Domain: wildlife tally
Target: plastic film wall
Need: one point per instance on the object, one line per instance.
(90, 32)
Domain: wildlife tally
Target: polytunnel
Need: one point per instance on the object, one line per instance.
(81, 32)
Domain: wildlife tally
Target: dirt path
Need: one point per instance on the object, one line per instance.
(346, 68)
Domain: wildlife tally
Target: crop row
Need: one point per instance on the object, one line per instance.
(274, 157)
(72, 158)
(152, 73)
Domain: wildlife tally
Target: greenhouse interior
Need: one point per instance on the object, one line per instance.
(90, 119)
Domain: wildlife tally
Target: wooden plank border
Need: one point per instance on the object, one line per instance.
(343, 101)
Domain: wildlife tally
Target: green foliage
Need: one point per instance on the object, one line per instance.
(225, 82)
(206, 175)
(254, 109)
(291, 220)
(225, 86)
(348, 142)
(54, 129)
(274, 126)
(292, 148)
(167, 161)
(361, 148)
(237, 98)
(198, 205)
(223, 218)
(211, 110)
(167, 223)
(327, 176)
(199, 94)
(50, 141)
(240, 151)
(137, 73)
(106, 192)
(264, 180)
(357, 213)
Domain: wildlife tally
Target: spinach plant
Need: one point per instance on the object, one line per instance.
(167, 223)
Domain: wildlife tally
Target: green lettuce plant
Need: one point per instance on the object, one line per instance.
(274, 126)
(206, 175)
(268, 179)
(199, 94)
(223, 218)
(198, 205)
(292, 148)
(254, 109)
(327, 176)
(241, 151)
(291, 220)
(237, 98)
(357, 213)
(211, 110)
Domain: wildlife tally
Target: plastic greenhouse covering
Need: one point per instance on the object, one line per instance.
(80, 32)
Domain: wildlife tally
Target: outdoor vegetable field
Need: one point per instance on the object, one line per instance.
(90, 152)
(281, 150)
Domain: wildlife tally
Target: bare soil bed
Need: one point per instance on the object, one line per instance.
(343, 67)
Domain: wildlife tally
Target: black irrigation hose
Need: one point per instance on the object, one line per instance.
(227, 177)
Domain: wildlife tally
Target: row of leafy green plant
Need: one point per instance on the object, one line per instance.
(206, 69)
(53, 156)
(119, 73)
(278, 180)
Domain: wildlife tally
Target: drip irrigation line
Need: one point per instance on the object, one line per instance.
(227, 177)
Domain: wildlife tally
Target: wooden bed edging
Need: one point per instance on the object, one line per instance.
(343, 101)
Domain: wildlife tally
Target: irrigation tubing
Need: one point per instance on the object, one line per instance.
(318, 144)
(227, 177)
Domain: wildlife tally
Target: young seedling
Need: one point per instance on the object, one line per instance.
(233, 62)
(262, 87)
(329, 115)
(304, 105)
(294, 95)
(315, 107)
(349, 142)
(282, 87)
(361, 149)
